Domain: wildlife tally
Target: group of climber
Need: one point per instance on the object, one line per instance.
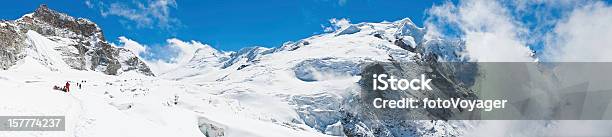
(66, 87)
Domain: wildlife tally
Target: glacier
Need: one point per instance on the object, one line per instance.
(304, 88)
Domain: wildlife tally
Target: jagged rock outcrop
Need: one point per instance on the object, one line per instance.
(11, 45)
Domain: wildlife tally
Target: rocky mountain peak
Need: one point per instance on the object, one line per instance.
(56, 19)
(79, 42)
(42, 8)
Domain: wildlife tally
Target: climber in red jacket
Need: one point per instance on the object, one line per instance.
(67, 87)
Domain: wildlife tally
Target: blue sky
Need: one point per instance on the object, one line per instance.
(227, 24)
(556, 28)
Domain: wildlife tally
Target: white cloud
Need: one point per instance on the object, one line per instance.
(496, 30)
(336, 24)
(177, 51)
(133, 46)
(89, 4)
(488, 29)
(340, 23)
(186, 49)
(342, 2)
(149, 14)
(584, 36)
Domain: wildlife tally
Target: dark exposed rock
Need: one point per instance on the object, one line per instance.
(134, 63)
(11, 46)
(60, 20)
(360, 115)
(103, 56)
(242, 67)
(378, 36)
(400, 42)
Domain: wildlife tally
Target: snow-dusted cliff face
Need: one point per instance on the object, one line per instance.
(305, 88)
(63, 42)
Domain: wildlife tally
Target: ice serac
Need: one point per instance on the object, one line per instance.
(80, 42)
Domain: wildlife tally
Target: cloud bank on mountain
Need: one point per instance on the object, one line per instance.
(519, 31)
(165, 57)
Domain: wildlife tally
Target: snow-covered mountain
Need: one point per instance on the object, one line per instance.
(305, 88)
(317, 77)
